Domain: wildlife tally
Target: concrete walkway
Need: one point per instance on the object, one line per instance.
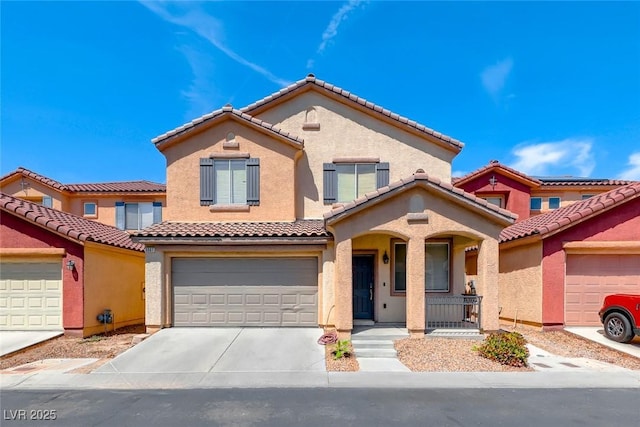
(597, 334)
(12, 341)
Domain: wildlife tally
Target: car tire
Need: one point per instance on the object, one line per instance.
(618, 328)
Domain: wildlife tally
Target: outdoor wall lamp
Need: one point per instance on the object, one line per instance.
(385, 257)
(71, 265)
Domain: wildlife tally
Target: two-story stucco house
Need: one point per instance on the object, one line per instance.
(311, 207)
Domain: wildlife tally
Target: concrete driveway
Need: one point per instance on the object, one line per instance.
(200, 350)
(12, 341)
(596, 333)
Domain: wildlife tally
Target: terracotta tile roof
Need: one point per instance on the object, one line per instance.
(552, 181)
(492, 166)
(228, 110)
(119, 187)
(35, 176)
(99, 187)
(312, 80)
(435, 183)
(570, 215)
(299, 228)
(75, 227)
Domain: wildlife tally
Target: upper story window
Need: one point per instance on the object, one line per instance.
(47, 201)
(90, 209)
(354, 180)
(230, 181)
(536, 203)
(587, 196)
(136, 216)
(344, 181)
(554, 202)
(495, 200)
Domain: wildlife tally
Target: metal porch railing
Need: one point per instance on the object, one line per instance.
(453, 312)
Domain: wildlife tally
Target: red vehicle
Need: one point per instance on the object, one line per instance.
(620, 315)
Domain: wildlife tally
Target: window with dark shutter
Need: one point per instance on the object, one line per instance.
(253, 182)
(120, 223)
(206, 182)
(382, 175)
(229, 182)
(330, 183)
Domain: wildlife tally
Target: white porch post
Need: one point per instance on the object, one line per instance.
(415, 287)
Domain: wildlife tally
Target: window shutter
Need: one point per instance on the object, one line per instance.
(253, 182)
(206, 182)
(120, 215)
(330, 183)
(382, 172)
(157, 212)
(47, 201)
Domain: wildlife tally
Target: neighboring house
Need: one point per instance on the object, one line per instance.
(527, 196)
(60, 271)
(310, 207)
(557, 267)
(129, 205)
(576, 240)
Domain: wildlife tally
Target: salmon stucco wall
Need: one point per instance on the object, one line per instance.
(521, 284)
(621, 223)
(277, 174)
(345, 132)
(515, 194)
(114, 279)
(16, 233)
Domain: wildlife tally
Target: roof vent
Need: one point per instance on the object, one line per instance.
(227, 107)
(494, 162)
(420, 170)
(311, 76)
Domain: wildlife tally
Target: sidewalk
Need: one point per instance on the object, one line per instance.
(407, 380)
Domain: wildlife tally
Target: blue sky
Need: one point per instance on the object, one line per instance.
(550, 88)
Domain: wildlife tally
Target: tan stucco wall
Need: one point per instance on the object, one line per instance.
(113, 279)
(346, 132)
(521, 283)
(277, 177)
(107, 205)
(35, 192)
(445, 219)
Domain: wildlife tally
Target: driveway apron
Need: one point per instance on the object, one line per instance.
(201, 350)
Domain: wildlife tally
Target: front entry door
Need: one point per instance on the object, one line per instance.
(362, 270)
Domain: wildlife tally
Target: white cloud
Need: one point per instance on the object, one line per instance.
(201, 94)
(565, 157)
(207, 27)
(332, 29)
(632, 173)
(495, 76)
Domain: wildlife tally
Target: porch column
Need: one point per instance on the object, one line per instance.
(415, 288)
(154, 290)
(343, 288)
(487, 286)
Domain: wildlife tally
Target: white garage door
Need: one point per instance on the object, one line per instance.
(245, 291)
(30, 296)
(590, 278)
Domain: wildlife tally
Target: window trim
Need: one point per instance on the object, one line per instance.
(229, 162)
(356, 179)
(586, 196)
(392, 262)
(503, 199)
(449, 243)
(84, 208)
(531, 203)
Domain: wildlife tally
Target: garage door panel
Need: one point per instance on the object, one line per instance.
(589, 278)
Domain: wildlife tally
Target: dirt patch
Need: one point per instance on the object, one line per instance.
(103, 346)
(566, 344)
(447, 355)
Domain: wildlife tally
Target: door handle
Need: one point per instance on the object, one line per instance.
(371, 291)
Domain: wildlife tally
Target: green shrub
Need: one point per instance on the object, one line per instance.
(342, 349)
(508, 348)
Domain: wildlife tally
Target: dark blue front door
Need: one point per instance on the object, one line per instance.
(362, 270)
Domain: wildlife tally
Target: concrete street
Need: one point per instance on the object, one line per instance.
(323, 407)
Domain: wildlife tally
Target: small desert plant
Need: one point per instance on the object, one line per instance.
(508, 348)
(342, 349)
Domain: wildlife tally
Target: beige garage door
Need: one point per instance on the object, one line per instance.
(591, 277)
(245, 291)
(30, 296)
